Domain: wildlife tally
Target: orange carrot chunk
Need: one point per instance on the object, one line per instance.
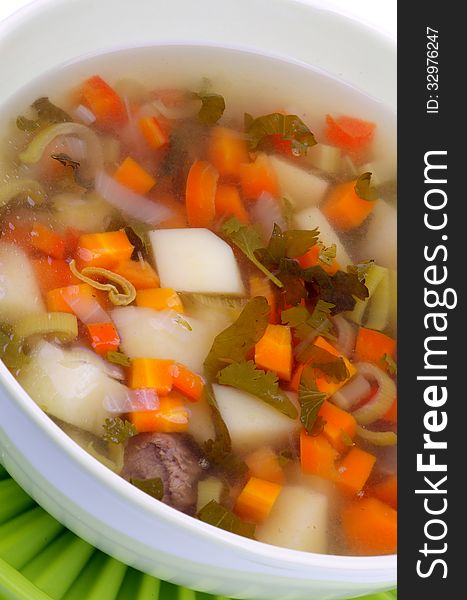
(152, 373)
(386, 491)
(59, 299)
(322, 383)
(257, 499)
(371, 346)
(103, 249)
(134, 177)
(264, 463)
(370, 527)
(349, 133)
(153, 133)
(354, 470)
(104, 102)
(311, 259)
(52, 273)
(170, 417)
(229, 203)
(317, 456)
(138, 272)
(104, 337)
(339, 424)
(188, 383)
(273, 352)
(344, 208)
(227, 151)
(258, 177)
(200, 194)
(47, 241)
(159, 299)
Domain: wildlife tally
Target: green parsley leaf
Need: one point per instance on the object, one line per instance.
(118, 431)
(361, 269)
(290, 273)
(290, 127)
(66, 160)
(219, 516)
(47, 114)
(308, 326)
(289, 244)
(339, 289)
(137, 233)
(248, 240)
(388, 362)
(118, 358)
(311, 400)
(327, 254)
(333, 367)
(363, 187)
(264, 385)
(153, 487)
(212, 107)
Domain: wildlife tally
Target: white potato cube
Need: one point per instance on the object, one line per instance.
(301, 187)
(19, 292)
(70, 385)
(312, 217)
(200, 424)
(149, 333)
(380, 242)
(251, 422)
(196, 260)
(298, 520)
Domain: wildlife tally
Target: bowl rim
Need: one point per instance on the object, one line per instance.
(258, 551)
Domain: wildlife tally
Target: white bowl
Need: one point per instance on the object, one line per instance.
(81, 493)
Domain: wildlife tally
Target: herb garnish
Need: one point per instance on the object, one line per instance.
(363, 187)
(153, 487)
(212, 107)
(311, 400)
(290, 127)
(47, 114)
(118, 431)
(219, 516)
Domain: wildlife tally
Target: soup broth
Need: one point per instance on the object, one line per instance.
(197, 283)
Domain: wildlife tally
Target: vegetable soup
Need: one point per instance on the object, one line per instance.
(197, 284)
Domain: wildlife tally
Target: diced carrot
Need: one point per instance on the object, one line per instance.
(227, 151)
(372, 345)
(104, 102)
(391, 414)
(258, 177)
(188, 383)
(311, 259)
(138, 272)
(344, 208)
(170, 417)
(103, 249)
(159, 299)
(71, 240)
(338, 424)
(264, 463)
(104, 337)
(349, 133)
(133, 176)
(273, 352)
(386, 491)
(200, 194)
(152, 373)
(370, 527)
(317, 456)
(354, 470)
(58, 299)
(294, 383)
(322, 383)
(153, 133)
(261, 286)
(52, 273)
(228, 203)
(47, 241)
(257, 499)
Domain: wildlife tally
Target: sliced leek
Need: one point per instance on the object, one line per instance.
(118, 298)
(381, 401)
(63, 326)
(376, 307)
(377, 438)
(23, 188)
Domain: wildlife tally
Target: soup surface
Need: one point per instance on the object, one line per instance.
(197, 283)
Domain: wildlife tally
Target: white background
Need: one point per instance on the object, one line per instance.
(380, 14)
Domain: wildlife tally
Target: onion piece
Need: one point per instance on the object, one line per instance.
(88, 310)
(135, 400)
(352, 393)
(128, 202)
(265, 212)
(346, 335)
(377, 438)
(381, 401)
(190, 109)
(84, 114)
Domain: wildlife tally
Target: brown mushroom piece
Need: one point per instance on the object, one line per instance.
(174, 458)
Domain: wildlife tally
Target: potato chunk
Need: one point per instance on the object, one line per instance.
(301, 187)
(251, 422)
(19, 291)
(195, 260)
